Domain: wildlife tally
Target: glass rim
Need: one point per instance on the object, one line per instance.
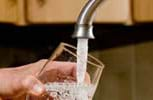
(99, 65)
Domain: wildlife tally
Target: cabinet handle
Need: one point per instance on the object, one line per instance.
(41, 2)
(12, 2)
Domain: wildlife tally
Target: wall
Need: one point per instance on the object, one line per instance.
(127, 55)
(128, 72)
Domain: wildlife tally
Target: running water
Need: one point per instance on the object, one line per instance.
(82, 57)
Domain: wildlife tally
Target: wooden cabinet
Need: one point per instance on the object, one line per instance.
(45, 11)
(143, 10)
(24, 12)
(114, 11)
(8, 10)
(55, 11)
(12, 11)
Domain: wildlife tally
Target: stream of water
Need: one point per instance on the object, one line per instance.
(82, 53)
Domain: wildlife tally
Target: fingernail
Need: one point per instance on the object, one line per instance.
(38, 89)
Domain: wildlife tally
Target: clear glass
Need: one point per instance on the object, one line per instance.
(66, 90)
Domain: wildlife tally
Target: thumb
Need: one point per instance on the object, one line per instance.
(33, 86)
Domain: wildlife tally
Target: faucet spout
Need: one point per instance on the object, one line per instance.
(84, 27)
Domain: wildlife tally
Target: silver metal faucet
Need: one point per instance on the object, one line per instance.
(84, 27)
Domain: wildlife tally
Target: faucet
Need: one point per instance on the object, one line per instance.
(84, 27)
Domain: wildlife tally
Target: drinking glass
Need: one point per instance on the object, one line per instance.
(67, 89)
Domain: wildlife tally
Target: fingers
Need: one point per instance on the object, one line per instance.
(65, 68)
(69, 68)
(87, 79)
(33, 86)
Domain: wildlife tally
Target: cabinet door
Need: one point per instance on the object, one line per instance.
(114, 11)
(12, 11)
(58, 11)
(143, 10)
(44, 11)
(8, 11)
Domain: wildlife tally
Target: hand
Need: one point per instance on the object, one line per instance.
(60, 71)
(17, 82)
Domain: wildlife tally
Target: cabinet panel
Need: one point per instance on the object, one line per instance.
(114, 11)
(143, 10)
(55, 11)
(8, 10)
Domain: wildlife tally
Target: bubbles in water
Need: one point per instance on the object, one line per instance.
(68, 91)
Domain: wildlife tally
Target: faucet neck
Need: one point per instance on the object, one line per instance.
(84, 28)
